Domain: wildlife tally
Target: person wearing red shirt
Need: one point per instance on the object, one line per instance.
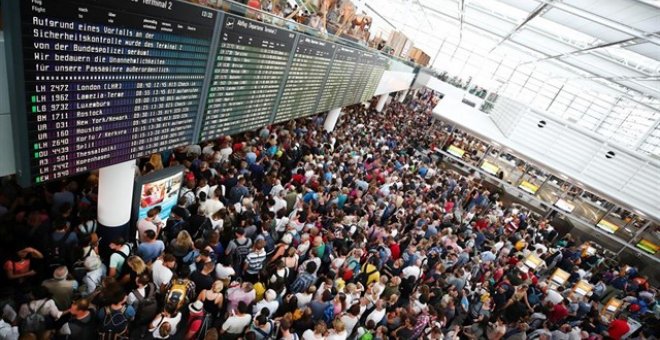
(559, 312)
(394, 249)
(619, 327)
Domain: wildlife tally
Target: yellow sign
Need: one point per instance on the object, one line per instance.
(608, 226)
(648, 246)
(528, 187)
(582, 288)
(560, 276)
(490, 168)
(456, 151)
(532, 261)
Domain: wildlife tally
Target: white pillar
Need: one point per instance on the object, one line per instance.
(115, 196)
(331, 119)
(381, 102)
(402, 96)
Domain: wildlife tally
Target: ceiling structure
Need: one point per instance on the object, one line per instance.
(594, 63)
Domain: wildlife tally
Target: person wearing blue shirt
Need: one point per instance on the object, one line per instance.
(151, 249)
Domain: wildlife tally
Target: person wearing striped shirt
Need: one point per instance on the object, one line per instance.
(254, 261)
(305, 279)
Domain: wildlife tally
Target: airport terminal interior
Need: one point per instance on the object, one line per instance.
(329, 169)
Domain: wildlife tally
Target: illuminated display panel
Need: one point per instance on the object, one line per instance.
(648, 246)
(250, 67)
(528, 187)
(306, 78)
(608, 226)
(456, 151)
(339, 79)
(103, 82)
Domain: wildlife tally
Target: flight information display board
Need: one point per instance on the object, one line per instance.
(361, 76)
(101, 82)
(306, 78)
(379, 66)
(339, 79)
(250, 67)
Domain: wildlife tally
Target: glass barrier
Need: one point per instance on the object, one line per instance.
(553, 190)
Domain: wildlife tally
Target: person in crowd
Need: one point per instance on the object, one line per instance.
(293, 232)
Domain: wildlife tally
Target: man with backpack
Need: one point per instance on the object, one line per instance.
(143, 299)
(82, 322)
(62, 243)
(120, 252)
(115, 318)
(238, 249)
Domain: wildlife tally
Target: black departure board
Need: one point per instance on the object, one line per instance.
(379, 64)
(104, 81)
(361, 76)
(306, 78)
(250, 66)
(339, 79)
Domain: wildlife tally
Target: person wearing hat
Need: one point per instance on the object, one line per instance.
(61, 288)
(195, 319)
(96, 271)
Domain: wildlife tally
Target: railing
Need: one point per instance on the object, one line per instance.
(236, 8)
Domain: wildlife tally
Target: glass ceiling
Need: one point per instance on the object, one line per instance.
(593, 63)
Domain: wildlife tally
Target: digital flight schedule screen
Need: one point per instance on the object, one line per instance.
(103, 82)
(250, 68)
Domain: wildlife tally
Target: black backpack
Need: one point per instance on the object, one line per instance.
(173, 230)
(124, 268)
(241, 251)
(147, 305)
(58, 253)
(114, 325)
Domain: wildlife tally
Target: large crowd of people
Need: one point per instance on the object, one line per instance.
(292, 232)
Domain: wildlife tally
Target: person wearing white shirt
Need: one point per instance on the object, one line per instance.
(165, 324)
(317, 333)
(377, 314)
(43, 305)
(268, 302)
(413, 270)
(236, 323)
(7, 331)
(338, 331)
(162, 270)
(351, 318)
(304, 298)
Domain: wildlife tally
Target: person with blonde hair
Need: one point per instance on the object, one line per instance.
(318, 333)
(212, 298)
(182, 245)
(338, 331)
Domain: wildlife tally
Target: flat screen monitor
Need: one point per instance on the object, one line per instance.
(608, 226)
(157, 189)
(648, 246)
(564, 205)
(456, 151)
(528, 187)
(490, 168)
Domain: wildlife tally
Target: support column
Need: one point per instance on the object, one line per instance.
(115, 199)
(402, 96)
(381, 102)
(331, 119)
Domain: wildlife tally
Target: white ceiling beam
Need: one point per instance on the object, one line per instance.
(648, 36)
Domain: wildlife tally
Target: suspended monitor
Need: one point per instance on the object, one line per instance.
(305, 82)
(564, 205)
(608, 226)
(490, 168)
(456, 151)
(528, 187)
(648, 246)
(250, 66)
(95, 83)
